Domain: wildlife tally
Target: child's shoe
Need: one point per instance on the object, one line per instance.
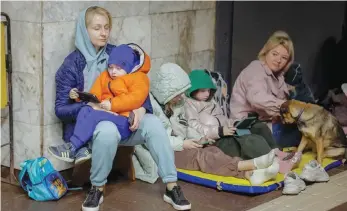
(314, 172)
(83, 155)
(287, 164)
(64, 152)
(293, 185)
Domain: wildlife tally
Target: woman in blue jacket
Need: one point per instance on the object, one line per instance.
(79, 71)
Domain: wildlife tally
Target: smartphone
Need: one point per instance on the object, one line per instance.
(245, 123)
(203, 141)
(87, 97)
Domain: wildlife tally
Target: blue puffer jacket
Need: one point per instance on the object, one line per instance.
(68, 76)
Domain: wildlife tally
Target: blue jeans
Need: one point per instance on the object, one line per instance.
(151, 132)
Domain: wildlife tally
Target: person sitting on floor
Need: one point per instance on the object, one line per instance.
(167, 96)
(205, 116)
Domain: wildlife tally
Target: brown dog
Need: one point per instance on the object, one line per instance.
(320, 130)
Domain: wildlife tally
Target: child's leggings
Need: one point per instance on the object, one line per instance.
(88, 118)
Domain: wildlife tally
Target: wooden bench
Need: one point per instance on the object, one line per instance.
(122, 163)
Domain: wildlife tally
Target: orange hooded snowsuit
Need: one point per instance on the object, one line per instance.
(127, 92)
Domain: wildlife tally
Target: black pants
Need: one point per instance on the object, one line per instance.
(259, 143)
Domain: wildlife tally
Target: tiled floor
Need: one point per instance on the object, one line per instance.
(123, 195)
(318, 197)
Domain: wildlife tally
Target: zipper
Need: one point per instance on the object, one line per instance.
(109, 88)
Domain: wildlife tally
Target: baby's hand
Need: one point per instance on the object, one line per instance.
(106, 104)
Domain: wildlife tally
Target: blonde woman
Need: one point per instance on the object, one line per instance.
(79, 70)
(260, 88)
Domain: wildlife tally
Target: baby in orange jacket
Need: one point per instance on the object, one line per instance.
(123, 87)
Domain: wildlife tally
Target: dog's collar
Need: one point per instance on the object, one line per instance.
(297, 118)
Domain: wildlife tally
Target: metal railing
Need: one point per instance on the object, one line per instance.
(6, 65)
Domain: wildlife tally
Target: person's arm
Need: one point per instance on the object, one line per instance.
(66, 109)
(136, 95)
(192, 117)
(258, 97)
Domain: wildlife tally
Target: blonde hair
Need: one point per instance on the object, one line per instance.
(168, 109)
(276, 39)
(92, 11)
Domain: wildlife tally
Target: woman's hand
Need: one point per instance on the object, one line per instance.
(191, 144)
(228, 131)
(138, 115)
(73, 94)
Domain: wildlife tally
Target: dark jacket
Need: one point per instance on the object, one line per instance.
(294, 77)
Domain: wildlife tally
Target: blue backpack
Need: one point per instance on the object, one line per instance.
(41, 180)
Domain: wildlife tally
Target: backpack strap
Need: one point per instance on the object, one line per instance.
(24, 165)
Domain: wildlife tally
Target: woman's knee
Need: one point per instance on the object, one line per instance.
(254, 141)
(150, 122)
(106, 133)
(261, 126)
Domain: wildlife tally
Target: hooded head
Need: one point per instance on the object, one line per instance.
(167, 83)
(95, 55)
(200, 80)
(124, 57)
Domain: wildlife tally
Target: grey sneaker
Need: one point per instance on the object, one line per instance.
(293, 185)
(314, 172)
(63, 152)
(83, 155)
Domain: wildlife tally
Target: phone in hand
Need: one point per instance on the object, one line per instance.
(203, 141)
(131, 118)
(87, 97)
(245, 123)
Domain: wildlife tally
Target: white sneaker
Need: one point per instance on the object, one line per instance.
(293, 185)
(314, 172)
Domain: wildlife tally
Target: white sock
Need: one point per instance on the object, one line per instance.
(260, 176)
(264, 161)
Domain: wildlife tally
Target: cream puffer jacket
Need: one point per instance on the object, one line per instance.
(205, 117)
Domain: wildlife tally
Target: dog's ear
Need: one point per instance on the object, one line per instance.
(284, 107)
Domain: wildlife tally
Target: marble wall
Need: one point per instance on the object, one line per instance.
(26, 28)
(181, 32)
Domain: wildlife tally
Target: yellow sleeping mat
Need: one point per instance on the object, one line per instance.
(233, 184)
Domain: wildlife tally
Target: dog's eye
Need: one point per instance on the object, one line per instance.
(283, 110)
